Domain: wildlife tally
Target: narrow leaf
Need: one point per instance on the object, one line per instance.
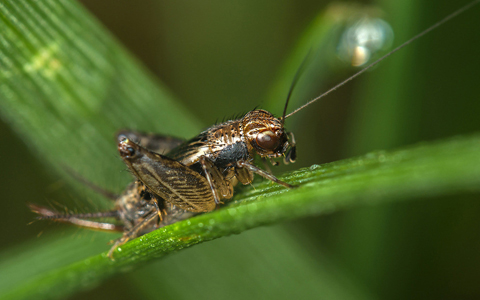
(446, 168)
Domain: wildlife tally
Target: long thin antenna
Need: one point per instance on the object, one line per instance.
(434, 26)
(295, 80)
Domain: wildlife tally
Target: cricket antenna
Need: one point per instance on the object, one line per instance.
(294, 82)
(434, 26)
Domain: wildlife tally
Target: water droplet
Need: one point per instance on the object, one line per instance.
(362, 39)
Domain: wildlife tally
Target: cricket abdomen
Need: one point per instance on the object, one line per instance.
(132, 205)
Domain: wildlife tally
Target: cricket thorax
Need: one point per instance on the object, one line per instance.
(258, 132)
(227, 145)
(223, 144)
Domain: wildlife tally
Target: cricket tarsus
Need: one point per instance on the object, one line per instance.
(434, 26)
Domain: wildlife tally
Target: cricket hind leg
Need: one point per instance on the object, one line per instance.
(134, 232)
(45, 213)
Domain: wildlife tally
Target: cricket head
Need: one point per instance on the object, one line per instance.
(133, 155)
(266, 135)
(128, 150)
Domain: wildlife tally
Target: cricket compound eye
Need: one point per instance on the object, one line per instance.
(122, 138)
(268, 140)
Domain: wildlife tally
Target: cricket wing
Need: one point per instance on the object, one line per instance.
(168, 178)
(177, 184)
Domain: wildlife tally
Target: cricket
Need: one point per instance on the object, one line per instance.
(176, 179)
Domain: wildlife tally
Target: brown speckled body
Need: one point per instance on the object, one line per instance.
(199, 173)
(231, 142)
(176, 179)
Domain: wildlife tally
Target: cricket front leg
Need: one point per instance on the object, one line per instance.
(221, 188)
(257, 170)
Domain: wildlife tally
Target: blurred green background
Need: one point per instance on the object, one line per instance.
(220, 58)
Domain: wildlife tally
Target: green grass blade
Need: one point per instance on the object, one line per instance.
(67, 87)
(266, 261)
(446, 168)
